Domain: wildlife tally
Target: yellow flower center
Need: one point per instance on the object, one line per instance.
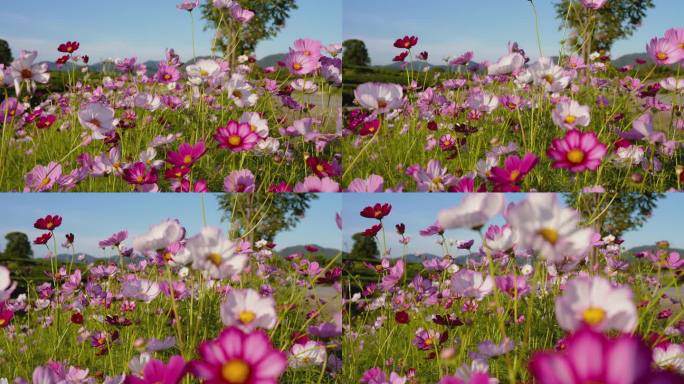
(139, 179)
(320, 168)
(437, 180)
(187, 159)
(235, 371)
(549, 79)
(253, 127)
(234, 140)
(3, 322)
(204, 72)
(45, 181)
(167, 77)
(246, 317)
(215, 258)
(662, 56)
(515, 174)
(570, 119)
(297, 66)
(593, 316)
(168, 256)
(549, 234)
(576, 156)
(428, 341)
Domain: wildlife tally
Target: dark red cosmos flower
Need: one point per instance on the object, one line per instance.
(378, 211)
(70, 238)
(402, 317)
(62, 60)
(176, 172)
(423, 55)
(432, 125)
(511, 174)
(372, 231)
(281, 187)
(406, 42)
(320, 167)
(187, 154)
(466, 244)
(48, 223)
(77, 318)
(137, 174)
(85, 59)
(43, 239)
(401, 228)
(370, 127)
(401, 57)
(69, 47)
(331, 276)
(46, 121)
(448, 320)
(311, 248)
(640, 61)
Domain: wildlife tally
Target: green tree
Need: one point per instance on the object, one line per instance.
(5, 53)
(615, 214)
(364, 248)
(257, 216)
(616, 20)
(18, 246)
(233, 38)
(355, 53)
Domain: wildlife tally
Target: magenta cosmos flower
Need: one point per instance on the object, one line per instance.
(513, 171)
(237, 137)
(577, 151)
(187, 154)
(156, 372)
(664, 51)
(591, 357)
(236, 357)
(594, 4)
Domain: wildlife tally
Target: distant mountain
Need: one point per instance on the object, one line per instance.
(416, 259)
(328, 253)
(271, 60)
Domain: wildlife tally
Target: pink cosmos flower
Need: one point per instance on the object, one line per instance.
(592, 357)
(99, 118)
(300, 64)
(676, 36)
(473, 284)
(464, 59)
(570, 114)
(188, 5)
(317, 184)
(187, 154)
(308, 47)
(236, 357)
(238, 137)
(239, 181)
(513, 171)
(594, 302)
(373, 183)
(642, 128)
(396, 273)
(167, 74)
(577, 151)
(594, 4)
(664, 51)
(156, 372)
(42, 178)
(114, 240)
(241, 14)
(9, 109)
(434, 178)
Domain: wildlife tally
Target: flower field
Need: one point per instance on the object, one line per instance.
(567, 123)
(545, 299)
(169, 307)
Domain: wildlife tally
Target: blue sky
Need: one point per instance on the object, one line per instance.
(418, 211)
(143, 28)
(93, 217)
(452, 27)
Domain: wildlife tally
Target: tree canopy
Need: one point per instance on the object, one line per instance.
(355, 53)
(5, 53)
(18, 246)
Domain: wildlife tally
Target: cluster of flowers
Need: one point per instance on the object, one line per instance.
(589, 306)
(108, 112)
(467, 104)
(103, 299)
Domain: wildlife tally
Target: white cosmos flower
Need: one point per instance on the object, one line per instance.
(159, 236)
(483, 102)
(24, 70)
(6, 284)
(551, 230)
(595, 302)
(474, 210)
(258, 124)
(240, 90)
(507, 64)
(631, 155)
(248, 310)
(571, 114)
(672, 84)
(214, 254)
(202, 71)
(140, 289)
(306, 86)
(97, 117)
(138, 363)
(670, 357)
(551, 76)
(381, 97)
(303, 355)
(471, 284)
